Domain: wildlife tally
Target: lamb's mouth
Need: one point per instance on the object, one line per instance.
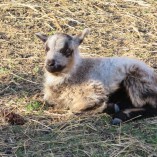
(54, 69)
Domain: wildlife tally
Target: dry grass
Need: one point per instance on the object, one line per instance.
(119, 27)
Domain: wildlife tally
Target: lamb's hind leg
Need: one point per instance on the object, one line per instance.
(141, 86)
(134, 113)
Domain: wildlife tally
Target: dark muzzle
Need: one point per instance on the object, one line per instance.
(52, 67)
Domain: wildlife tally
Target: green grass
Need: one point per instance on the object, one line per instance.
(33, 106)
(86, 137)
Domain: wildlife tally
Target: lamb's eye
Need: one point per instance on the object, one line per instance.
(68, 52)
(62, 51)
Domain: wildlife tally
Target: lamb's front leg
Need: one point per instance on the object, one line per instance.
(100, 109)
(90, 96)
(81, 108)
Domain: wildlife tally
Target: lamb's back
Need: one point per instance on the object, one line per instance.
(110, 70)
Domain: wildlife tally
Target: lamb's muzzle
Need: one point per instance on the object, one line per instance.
(81, 84)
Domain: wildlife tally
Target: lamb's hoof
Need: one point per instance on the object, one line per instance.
(116, 121)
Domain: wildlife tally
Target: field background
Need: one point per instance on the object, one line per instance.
(118, 28)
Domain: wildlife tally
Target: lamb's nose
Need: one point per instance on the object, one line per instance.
(51, 62)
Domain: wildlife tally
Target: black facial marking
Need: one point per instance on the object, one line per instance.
(69, 52)
(66, 51)
(63, 50)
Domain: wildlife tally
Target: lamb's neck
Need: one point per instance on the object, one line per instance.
(77, 63)
(53, 80)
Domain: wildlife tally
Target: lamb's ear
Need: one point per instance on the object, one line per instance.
(42, 36)
(79, 38)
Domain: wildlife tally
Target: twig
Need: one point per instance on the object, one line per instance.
(41, 124)
(24, 79)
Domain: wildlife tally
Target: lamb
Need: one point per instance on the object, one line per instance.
(125, 86)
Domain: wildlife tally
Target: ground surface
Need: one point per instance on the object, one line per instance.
(118, 28)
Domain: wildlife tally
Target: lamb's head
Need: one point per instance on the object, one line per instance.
(61, 51)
